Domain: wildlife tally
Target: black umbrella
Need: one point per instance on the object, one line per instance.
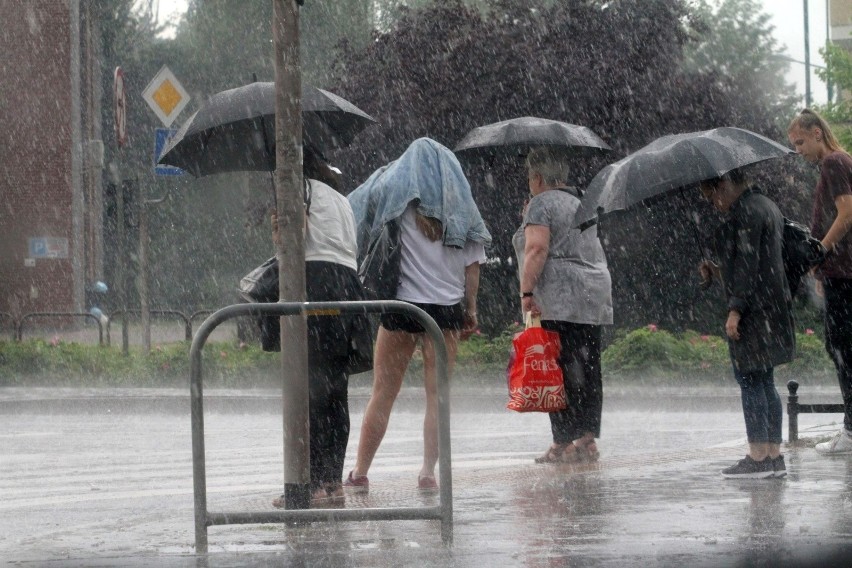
(518, 135)
(235, 129)
(673, 162)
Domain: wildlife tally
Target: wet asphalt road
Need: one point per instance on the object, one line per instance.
(104, 478)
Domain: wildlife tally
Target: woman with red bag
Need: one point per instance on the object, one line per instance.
(565, 281)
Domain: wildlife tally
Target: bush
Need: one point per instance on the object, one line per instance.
(648, 351)
(73, 361)
(481, 350)
(651, 349)
(811, 355)
(72, 364)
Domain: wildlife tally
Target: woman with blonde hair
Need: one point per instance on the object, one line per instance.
(831, 221)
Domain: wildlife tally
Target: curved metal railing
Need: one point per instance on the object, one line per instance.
(204, 518)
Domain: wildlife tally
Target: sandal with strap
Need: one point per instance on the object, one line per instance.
(588, 452)
(318, 497)
(558, 453)
(334, 491)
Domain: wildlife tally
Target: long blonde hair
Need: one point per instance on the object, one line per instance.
(808, 119)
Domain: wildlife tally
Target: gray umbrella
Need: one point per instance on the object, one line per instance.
(673, 162)
(516, 136)
(235, 129)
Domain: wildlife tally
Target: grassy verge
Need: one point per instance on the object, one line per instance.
(648, 354)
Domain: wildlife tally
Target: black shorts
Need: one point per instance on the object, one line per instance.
(447, 318)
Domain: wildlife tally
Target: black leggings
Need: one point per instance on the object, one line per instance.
(580, 361)
(838, 337)
(329, 421)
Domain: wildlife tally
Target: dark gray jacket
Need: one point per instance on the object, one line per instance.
(748, 248)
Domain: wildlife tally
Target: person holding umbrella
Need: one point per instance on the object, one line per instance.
(330, 274)
(748, 246)
(565, 281)
(831, 222)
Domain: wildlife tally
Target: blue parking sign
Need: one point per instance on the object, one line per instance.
(161, 137)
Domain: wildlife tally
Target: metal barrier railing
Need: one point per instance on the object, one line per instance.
(10, 317)
(204, 518)
(187, 325)
(195, 315)
(97, 320)
(794, 409)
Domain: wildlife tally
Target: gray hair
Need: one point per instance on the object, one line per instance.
(546, 162)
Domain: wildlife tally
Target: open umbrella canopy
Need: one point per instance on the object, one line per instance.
(235, 129)
(672, 162)
(516, 136)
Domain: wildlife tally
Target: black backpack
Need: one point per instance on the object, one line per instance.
(801, 252)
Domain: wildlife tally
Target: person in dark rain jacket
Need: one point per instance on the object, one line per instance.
(748, 247)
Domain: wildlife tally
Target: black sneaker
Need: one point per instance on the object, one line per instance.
(778, 467)
(747, 468)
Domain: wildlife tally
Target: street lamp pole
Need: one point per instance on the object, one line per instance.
(807, 57)
(827, 43)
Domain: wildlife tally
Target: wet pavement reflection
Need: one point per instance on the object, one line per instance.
(104, 478)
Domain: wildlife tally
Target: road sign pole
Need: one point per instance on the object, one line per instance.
(120, 116)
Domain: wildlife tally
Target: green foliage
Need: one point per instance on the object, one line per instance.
(75, 364)
(838, 73)
(838, 67)
(735, 39)
(650, 349)
(810, 354)
(481, 350)
(42, 358)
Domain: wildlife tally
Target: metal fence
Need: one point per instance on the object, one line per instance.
(13, 329)
(86, 315)
(204, 518)
(187, 320)
(794, 409)
(16, 326)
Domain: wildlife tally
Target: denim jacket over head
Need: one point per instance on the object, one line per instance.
(430, 175)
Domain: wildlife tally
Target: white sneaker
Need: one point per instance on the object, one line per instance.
(841, 443)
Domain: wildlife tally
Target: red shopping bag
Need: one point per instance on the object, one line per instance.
(534, 376)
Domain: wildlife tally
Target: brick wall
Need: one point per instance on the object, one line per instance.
(36, 135)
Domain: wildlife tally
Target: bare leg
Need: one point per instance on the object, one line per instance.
(583, 448)
(774, 450)
(430, 421)
(393, 353)
(759, 450)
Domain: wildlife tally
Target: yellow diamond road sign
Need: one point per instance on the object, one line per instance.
(166, 96)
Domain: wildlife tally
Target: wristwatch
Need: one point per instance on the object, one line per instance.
(526, 294)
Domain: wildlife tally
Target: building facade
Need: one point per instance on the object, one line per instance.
(51, 165)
